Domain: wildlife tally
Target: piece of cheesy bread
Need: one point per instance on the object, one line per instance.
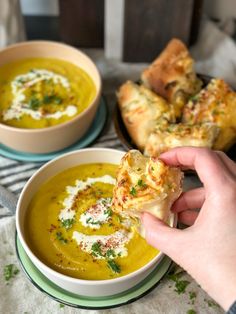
(140, 110)
(145, 185)
(177, 135)
(172, 75)
(215, 104)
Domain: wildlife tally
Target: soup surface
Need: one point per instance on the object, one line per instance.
(43, 92)
(71, 227)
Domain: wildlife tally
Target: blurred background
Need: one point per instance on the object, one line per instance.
(128, 30)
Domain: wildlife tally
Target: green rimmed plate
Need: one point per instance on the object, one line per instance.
(83, 302)
(93, 132)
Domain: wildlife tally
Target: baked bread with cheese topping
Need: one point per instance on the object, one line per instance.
(172, 75)
(215, 104)
(169, 136)
(140, 110)
(145, 185)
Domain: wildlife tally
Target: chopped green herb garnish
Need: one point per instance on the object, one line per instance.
(211, 303)
(34, 103)
(119, 219)
(169, 185)
(110, 253)
(96, 249)
(67, 223)
(181, 285)
(194, 98)
(20, 80)
(106, 201)
(141, 183)
(191, 311)
(113, 266)
(133, 191)
(108, 212)
(47, 99)
(192, 295)
(95, 222)
(175, 276)
(61, 305)
(152, 168)
(48, 81)
(58, 100)
(215, 112)
(91, 222)
(61, 238)
(10, 271)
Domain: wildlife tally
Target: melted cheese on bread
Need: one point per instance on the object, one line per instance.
(215, 104)
(145, 185)
(140, 110)
(177, 135)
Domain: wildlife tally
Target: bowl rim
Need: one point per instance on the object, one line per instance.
(55, 273)
(77, 117)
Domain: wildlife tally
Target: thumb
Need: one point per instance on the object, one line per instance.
(161, 236)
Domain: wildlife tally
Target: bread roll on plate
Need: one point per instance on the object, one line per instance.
(172, 75)
(177, 135)
(215, 104)
(146, 185)
(140, 110)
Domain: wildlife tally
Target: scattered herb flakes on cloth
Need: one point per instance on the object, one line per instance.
(191, 311)
(192, 297)
(10, 271)
(211, 303)
(182, 287)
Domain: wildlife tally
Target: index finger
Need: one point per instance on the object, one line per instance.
(209, 167)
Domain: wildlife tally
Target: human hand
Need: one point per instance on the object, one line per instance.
(207, 248)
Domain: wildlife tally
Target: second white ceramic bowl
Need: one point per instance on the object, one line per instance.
(50, 139)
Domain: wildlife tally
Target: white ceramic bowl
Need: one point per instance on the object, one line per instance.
(54, 138)
(92, 288)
